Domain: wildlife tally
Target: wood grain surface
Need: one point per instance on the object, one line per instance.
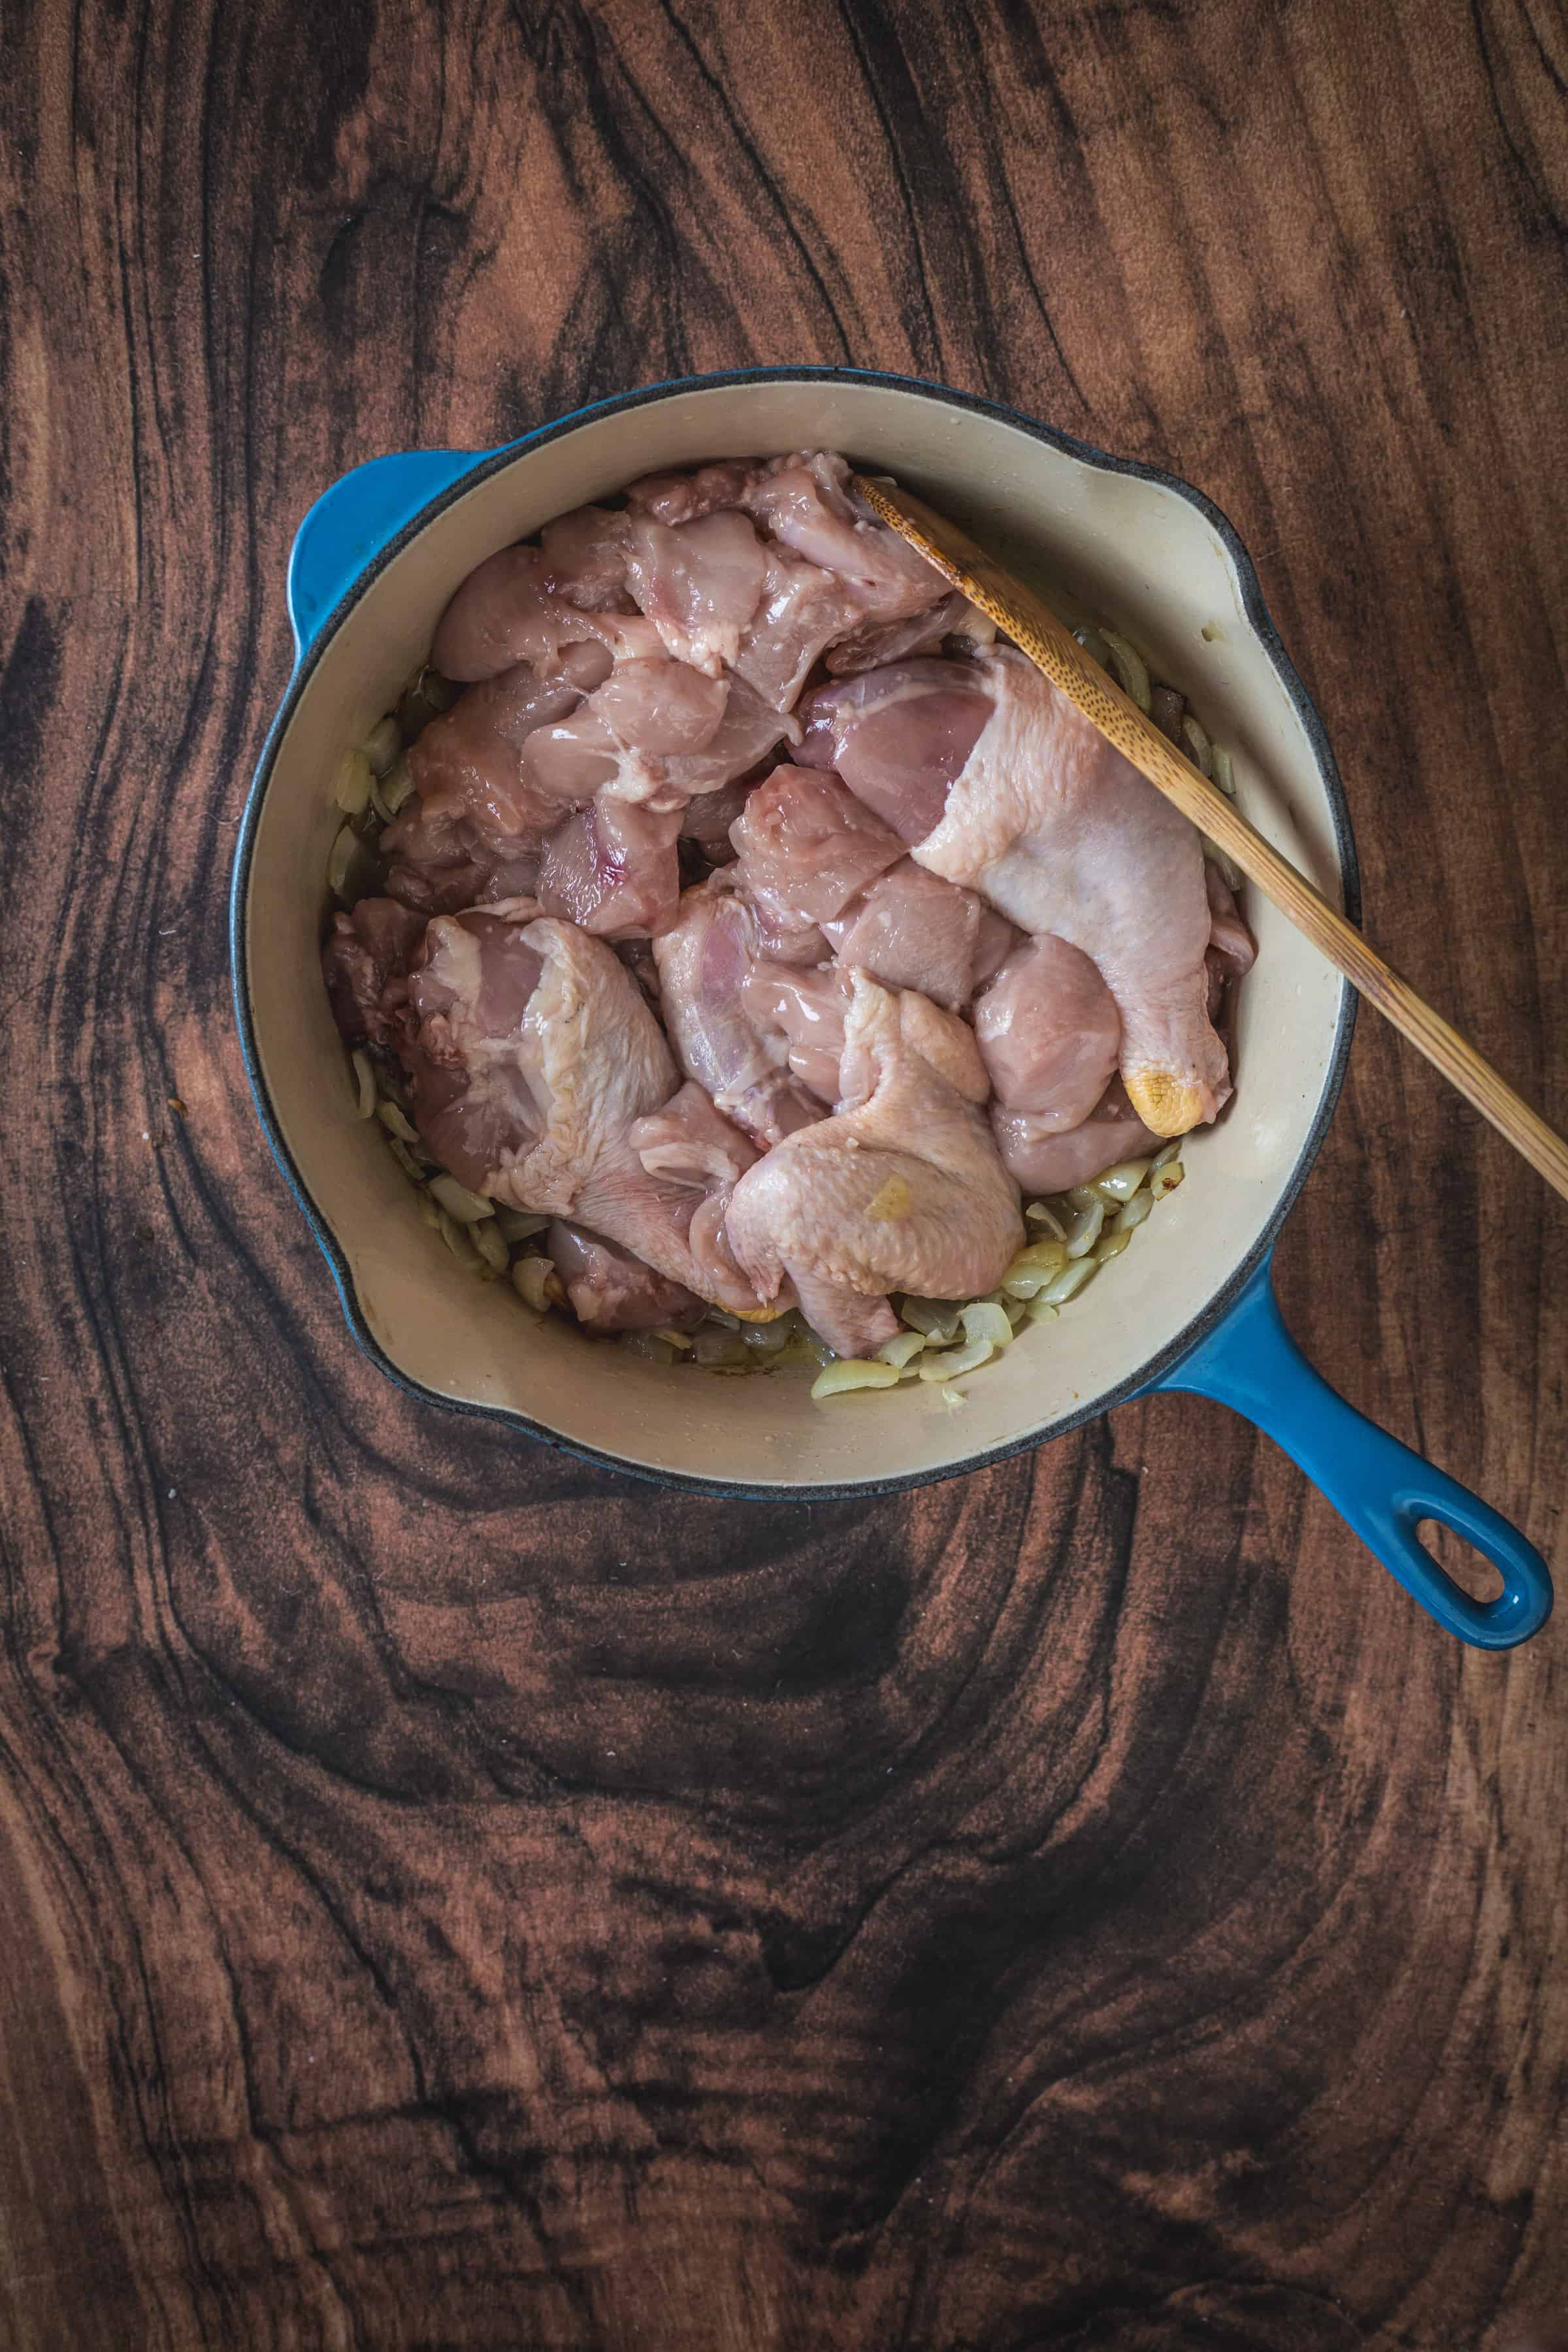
(453, 1898)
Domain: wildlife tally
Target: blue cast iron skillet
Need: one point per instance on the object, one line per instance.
(1239, 1352)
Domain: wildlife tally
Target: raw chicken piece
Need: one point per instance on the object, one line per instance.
(807, 847)
(719, 598)
(902, 1190)
(614, 869)
(1059, 831)
(479, 818)
(1230, 953)
(619, 737)
(851, 1324)
(609, 1290)
(698, 583)
(438, 874)
(1045, 1158)
(899, 738)
(1063, 834)
(1049, 1032)
(707, 819)
(876, 642)
(584, 561)
(1231, 943)
(703, 963)
(685, 497)
(696, 1156)
(912, 929)
(803, 1009)
(656, 730)
(532, 1056)
(364, 959)
(803, 503)
(945, 1041)
(803, 610)
(807, 1011)
(690, 1142)
(637, 955)
(505, 613)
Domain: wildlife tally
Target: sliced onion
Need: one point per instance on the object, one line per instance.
(653, 1344)
(901, 1350)
(365, 1083)
(466, 1207)
(1224, 772)
(977, 626)
(951, 1362)
(351, 785)
(458, 1242)
(767, 1338)
(1121, 1183)
(1038, 1257)
(392, 1119)
(1040, 1310)
(532, 1278)
(985, 1321)
(1040, 1212)
(1085, 1229)
(384, 744)
(1069, 1283)
(520, 1224)
(935, 1316)
(850, 1372)
(1133, 1213)
(1165, 1180)
(1132, 670)
(1111, 1245)
(720, 1349)
(406, 1161)
(396, 786)
(1198, 745)
(487, 1239)
(348, 866)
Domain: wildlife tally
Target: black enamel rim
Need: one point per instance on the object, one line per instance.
(1262, 626)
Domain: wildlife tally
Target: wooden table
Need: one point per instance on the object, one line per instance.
(452, 1897)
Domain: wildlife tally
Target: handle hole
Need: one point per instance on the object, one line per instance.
(1471, 1570)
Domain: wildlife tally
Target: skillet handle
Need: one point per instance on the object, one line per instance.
(352, 522)
(1378, 1486)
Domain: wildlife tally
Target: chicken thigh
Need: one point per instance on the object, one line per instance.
(1049, 1032)
(705, 961)
(479, 818)
(533, 1057)
(902, 1190)
(1050, 822)
(1046, 1158)
(519, 605)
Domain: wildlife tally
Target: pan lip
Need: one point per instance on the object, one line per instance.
(486, 465)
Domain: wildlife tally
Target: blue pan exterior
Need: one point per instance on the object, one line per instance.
(364, 520)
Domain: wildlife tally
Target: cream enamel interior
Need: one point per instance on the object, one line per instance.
(1136, 552)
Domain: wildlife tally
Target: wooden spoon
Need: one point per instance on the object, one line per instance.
(1033, 627)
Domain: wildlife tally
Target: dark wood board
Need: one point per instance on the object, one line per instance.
(450, 1897)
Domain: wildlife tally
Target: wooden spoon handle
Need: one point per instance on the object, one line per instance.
(1033, 627)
